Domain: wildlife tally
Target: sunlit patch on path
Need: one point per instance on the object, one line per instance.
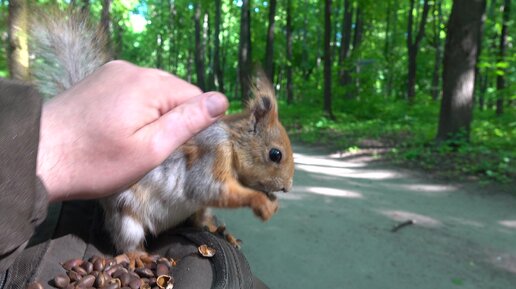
(347, 173)
(420, 220)
(333, 192)
(508, 223)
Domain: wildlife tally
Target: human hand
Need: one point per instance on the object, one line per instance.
(110, 129)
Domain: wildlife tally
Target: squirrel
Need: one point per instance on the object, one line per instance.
(239, 161)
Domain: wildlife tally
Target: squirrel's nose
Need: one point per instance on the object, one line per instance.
(288, 187)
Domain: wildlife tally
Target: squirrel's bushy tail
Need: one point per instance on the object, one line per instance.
(66, 48)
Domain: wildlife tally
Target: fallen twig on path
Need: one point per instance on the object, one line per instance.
(401, 225)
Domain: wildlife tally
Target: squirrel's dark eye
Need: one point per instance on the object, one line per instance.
(275, 155)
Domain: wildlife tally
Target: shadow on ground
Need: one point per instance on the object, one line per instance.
(334, 230)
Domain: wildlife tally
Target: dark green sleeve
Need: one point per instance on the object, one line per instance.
(23, 199)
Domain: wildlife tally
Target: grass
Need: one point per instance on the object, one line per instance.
(407, 133)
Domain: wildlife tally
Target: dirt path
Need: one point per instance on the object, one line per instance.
(334, 231)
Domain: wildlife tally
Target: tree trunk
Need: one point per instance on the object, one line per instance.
(436, 88)
(244, 54)
(288, 30)
(357, 40)
(189, 65)
(413, 46)
(327, 60)
(217, 69)
(389, 55)
(500, 78)
(199, 49)
(118, 35)
(482, 76)
(105, 21)
(4, 43)
(359, 27)
(335, 51)
(345, 43)
(460, 57)
(173, 25)
(269, 50)
(386, 46)
(159, 51)
(483, 83)
(18, 51)
(207, 44)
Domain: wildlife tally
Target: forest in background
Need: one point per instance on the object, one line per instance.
(352, 74)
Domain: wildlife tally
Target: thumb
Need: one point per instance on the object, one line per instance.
(187, 119)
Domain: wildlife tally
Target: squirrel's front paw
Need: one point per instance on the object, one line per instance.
(263, 207)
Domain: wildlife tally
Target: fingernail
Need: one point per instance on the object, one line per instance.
(216, 104)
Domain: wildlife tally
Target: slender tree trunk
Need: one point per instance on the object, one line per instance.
(189, 65)
(160, 39)
(359, 27)
(173, 50)
(244, 55)
(413, 46)
(159, 51)
(327, 59)
(482, 76)
(345, 43)
(118, 40)
(357, 40)
(199, 49)
(386, 45)
(223, 59)
(390, 58)
(269, 50)
(18, 51)
(217, 69)
(335, 51)
(105, 21)
(460, 57)
(483, 83)
(436, 87)
(207, 43)
(306, 65)
(288, 30)
(500, 78)
(4, 43)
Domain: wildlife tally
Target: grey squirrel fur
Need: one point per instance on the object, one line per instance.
(65, 48)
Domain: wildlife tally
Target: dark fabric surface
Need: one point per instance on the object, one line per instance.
(79, 233)
(23, 200)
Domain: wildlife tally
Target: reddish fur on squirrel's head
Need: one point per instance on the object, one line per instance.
(255, 133)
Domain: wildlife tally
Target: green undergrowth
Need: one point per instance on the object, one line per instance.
(406, 133)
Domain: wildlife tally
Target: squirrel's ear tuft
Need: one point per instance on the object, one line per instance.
(263, 105)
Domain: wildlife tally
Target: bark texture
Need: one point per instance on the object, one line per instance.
(269, 49)
(460, 58)
(244, 54)
(413, 46)
(18, 50)
(327, 59)
(199, 49)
